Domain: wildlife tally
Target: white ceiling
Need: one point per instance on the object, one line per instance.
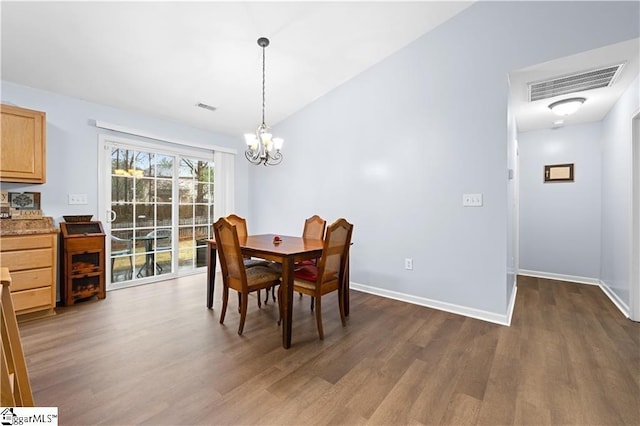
(537, 115)
(163, 58)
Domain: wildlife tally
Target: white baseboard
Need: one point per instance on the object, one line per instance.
(512, 303)
(559, 277)
(501, 319)
(623, 307)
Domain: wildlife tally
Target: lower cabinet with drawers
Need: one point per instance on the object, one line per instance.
(31, 260)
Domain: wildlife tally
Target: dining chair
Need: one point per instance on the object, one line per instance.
(124, 248)
(327, 276)
(235, 275)
(241, 226)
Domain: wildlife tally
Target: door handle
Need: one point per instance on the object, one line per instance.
(112, 215)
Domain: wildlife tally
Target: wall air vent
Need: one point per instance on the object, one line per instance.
(586, 80)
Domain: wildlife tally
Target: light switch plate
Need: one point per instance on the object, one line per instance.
(78, 199)
(472, 200)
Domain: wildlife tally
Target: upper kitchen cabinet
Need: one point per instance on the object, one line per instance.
(23, 145)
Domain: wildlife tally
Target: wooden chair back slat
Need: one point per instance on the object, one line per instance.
(240, 223)
(314, 228)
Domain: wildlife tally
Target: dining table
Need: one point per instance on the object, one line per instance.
(287, 252)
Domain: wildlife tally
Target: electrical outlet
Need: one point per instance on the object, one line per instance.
(408, 264)
(472, 200)
(78, 199)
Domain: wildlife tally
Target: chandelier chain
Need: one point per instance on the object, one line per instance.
(263, 85)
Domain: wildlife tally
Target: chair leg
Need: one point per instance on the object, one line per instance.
(243, 313)
(239, 302)
(312, 303)
(341, 306)
(273, 294)
(225, 299)
(260, 302)
(319, 317)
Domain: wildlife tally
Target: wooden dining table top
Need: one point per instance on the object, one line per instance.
(264, 244)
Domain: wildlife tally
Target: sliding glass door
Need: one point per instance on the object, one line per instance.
(160, 212)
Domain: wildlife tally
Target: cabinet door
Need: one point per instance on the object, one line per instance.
(22, 150)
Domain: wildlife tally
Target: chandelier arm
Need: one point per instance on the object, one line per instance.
(252, 157)
(274, 159)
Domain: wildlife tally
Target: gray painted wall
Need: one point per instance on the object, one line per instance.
(72, 146)
(394, 149)
(616, 194)
(560, 222)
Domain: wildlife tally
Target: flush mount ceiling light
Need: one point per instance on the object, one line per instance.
(566, 106)
(261, 147)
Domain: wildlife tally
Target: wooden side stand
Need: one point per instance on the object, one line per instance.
(82, 262)
(14, 385)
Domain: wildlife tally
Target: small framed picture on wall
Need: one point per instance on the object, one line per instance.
(558, 173)
(24, 200)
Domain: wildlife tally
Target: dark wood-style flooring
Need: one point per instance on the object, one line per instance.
(155, 355)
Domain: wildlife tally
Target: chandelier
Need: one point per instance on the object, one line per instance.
(262, 148)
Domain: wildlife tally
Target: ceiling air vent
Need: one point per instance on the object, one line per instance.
(586, 80)
(205, 106)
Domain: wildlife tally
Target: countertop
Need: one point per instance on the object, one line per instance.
(10, 227)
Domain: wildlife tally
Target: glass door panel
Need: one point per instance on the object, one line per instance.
(122, 198)
(161, 208)
(121, 255)
(195, 204)
(141, 222)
